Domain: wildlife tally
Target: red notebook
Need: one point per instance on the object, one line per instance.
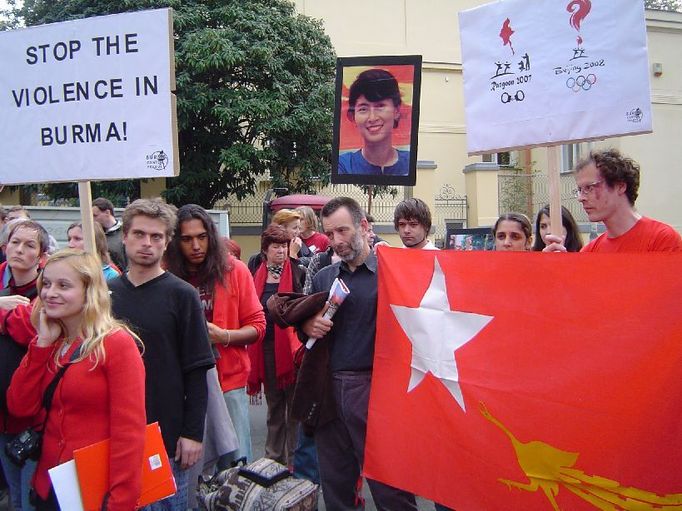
(93, 474)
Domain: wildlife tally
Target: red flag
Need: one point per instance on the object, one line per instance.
(569, 369)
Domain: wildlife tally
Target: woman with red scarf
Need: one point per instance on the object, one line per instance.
(272, 360)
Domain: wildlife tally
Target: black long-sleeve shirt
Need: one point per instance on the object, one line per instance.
(352, 336)
(166, 314)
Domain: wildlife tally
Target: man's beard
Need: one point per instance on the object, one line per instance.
(357, 244)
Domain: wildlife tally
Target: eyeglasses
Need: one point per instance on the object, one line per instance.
(586, 189)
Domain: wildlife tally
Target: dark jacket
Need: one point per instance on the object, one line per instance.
(313, 403)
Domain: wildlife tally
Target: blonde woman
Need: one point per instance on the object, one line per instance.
(100, 396)
(315, 241)
(290, 219)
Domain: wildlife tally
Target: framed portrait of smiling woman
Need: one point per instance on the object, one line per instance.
(376, 120)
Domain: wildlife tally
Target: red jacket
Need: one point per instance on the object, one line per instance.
(89, 405)
(235, 304)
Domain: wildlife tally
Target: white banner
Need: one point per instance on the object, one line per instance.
(548, 72)
(88, 100)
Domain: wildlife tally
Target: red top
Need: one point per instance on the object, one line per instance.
(235, 304)
(91, 403)
(317, 240)
(17, 324)
(647, 235)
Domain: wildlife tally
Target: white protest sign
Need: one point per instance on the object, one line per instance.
(88, 99)
(549, 72)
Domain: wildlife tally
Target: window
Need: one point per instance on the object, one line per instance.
(571, 154)
(499, 158)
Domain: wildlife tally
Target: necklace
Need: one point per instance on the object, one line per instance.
(275, 270)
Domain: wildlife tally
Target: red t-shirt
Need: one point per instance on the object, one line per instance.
(317, 242)
(647, 235)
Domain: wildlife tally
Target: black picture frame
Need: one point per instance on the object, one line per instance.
(411, 112)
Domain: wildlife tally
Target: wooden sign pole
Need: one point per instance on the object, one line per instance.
(85, 197)
(556, 227)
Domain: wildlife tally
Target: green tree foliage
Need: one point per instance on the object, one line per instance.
(255, 92)
(664, 5)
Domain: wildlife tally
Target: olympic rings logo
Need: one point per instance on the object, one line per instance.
(582, 82)
(507, 98)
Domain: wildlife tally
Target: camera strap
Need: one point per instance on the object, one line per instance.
(52, 387)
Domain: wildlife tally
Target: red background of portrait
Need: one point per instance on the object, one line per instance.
(349, 138)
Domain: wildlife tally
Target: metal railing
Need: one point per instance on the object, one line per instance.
(450, 211)
(249, 211)
(529, 192)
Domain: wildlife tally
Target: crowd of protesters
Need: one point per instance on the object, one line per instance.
(164, 323)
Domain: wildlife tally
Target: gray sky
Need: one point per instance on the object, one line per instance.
(3, 4)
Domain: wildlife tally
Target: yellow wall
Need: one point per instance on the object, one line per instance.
(394, 27)
(431, 29)
(8, 198)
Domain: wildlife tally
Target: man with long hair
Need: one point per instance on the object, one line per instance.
(234, 315)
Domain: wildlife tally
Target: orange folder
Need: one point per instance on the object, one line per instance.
(93, 471)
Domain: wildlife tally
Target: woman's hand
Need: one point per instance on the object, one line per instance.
(295, 247)
(48, 330)
(10, 302)
(554, 243)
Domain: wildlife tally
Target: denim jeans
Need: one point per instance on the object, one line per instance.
(177, 502)
(238, 406)
(18, 478)
(305, 458)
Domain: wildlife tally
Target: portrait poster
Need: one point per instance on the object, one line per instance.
(552, 72)
(89, 99)
(376, 120)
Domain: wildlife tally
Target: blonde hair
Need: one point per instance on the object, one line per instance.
(97, 321)
(153, 208)
(285, 216)
(309, 217)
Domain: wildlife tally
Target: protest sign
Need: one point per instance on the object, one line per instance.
(88, 99)
(547, 72)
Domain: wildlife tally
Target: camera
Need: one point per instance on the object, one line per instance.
(26, 445)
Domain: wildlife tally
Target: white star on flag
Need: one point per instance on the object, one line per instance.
(436, 333)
